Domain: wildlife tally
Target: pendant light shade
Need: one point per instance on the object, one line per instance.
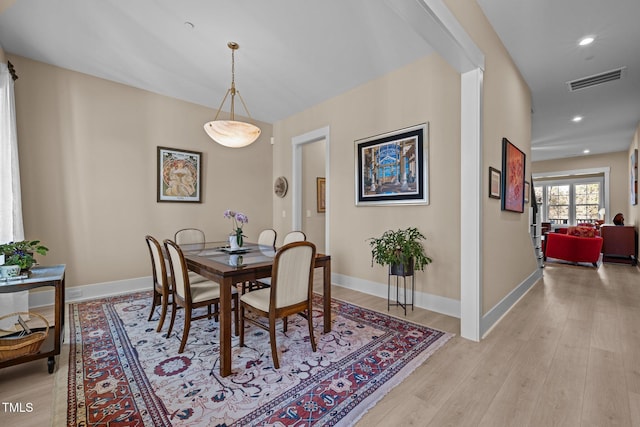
(232, 133)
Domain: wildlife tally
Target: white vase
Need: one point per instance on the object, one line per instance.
(233, 242)
(7, 271)
(235, 260)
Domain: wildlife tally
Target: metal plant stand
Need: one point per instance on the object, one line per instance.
(399, 271)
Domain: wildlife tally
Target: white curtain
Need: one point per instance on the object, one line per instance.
(11, 226)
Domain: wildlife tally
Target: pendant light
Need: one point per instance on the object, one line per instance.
(232, 133)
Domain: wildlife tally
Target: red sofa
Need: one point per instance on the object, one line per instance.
(573, 248)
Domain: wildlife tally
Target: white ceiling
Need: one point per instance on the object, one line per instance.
(293, 54)
(296, 53)
(542, 37)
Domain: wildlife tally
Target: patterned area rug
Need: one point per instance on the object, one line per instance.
(121, 372)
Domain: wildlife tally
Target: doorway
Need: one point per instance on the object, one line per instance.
(304, 186)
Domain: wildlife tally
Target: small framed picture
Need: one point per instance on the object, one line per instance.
(494, 183)
(179, 175)
(527, 192)
(321, 201)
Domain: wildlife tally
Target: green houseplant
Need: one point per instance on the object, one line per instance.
(21, 253)
(401, 250)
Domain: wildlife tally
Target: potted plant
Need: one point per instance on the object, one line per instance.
(21, 253)
(401, 250)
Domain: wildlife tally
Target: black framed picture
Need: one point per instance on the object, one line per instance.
(392, 168)
(513, 164)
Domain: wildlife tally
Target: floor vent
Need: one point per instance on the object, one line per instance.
(597, 79)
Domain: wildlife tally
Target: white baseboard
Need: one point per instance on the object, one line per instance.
(436, 303)
(87, 292)
(494, 315)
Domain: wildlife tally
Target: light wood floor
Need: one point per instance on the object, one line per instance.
(568, 354)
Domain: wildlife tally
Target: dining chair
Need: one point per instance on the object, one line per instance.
(191, 236)
(294, 236)
(161, 283)
(265, 282)
(191, 296)
(290, 292)
(267, 237)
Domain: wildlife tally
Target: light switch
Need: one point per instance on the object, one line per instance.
(308, 213)
(284, 214)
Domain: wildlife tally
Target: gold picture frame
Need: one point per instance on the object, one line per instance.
(321, 200)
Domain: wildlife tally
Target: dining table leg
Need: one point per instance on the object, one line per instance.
(225, 326)
(326, 297)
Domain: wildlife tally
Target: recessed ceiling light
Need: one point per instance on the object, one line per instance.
(189, 25)
(577, 119)
(586, 151)
(586, 41)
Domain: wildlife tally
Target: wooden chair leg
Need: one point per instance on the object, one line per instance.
(236, 323)
(187, 326)
(272, 338)
(311, 337)
(174, 308)
(285, 324)
(154, 303)
(216, 311)
(241, 325)
(163, 314)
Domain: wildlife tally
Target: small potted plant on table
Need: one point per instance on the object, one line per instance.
(401, 250)
(21, 253)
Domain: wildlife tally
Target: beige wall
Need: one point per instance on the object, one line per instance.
(427, 90)
(88, 152)
(508, 256)
(618, 177)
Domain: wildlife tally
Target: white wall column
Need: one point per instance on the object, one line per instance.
(471, 205)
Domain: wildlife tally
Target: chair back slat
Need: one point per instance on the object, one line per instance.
(293, 273)
(178, 266)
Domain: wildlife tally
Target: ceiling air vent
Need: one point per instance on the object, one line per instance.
(597, 79)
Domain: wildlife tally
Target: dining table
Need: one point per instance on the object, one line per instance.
(228, 267)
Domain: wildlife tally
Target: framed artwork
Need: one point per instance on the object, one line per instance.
(527, 191)
(321, 194)
(513, 164)
(179, 175)
(494, 183)
(392, 168)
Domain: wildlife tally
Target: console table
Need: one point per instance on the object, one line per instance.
(619, 244)
(41, 276)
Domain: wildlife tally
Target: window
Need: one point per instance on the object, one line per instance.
(558, 199)
(570, 201)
